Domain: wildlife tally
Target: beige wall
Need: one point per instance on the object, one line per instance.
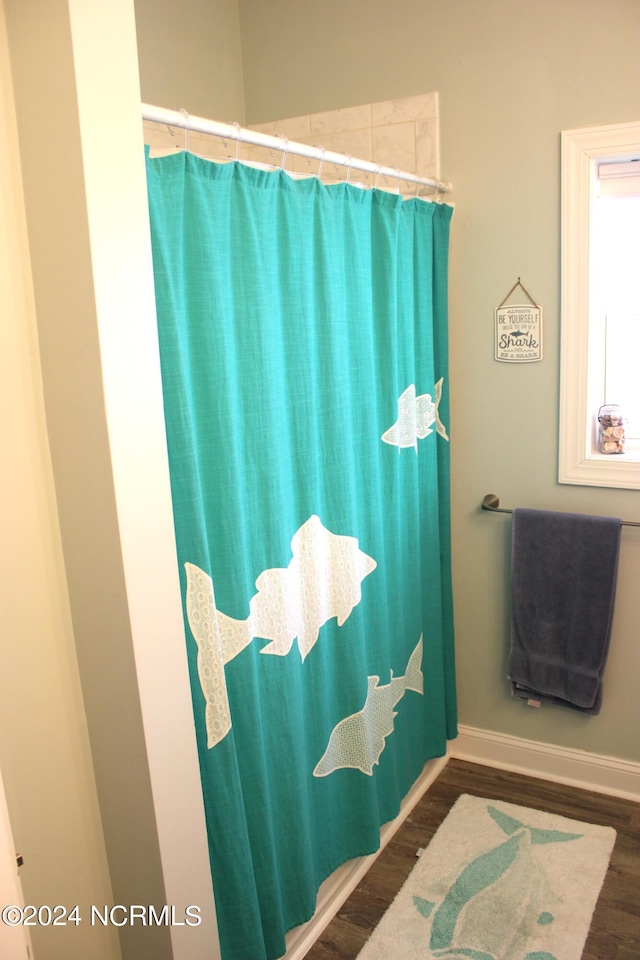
(190, 56)
(96, 735)
(44, 746)
(510, 76)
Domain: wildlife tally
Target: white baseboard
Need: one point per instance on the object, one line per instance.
(577, 768)
(335, 890)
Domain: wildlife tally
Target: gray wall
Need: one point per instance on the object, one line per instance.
(511, 76)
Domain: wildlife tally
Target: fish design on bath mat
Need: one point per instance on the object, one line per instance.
(359, 739)
(507, 883)
(323, 580)
(416, 415)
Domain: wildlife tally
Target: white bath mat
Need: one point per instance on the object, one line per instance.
(498, 882)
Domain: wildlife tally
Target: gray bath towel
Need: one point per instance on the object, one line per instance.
(564, 568)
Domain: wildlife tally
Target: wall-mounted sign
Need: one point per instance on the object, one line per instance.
(518, 330)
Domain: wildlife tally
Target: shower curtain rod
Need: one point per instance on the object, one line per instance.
(231, 131)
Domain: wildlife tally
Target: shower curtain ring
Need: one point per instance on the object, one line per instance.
(237, 126)
(350, 159)
(186, 129)
(375, 182)
(285, 151)
(321, 164)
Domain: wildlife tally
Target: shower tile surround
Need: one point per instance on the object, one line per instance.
(402, 134)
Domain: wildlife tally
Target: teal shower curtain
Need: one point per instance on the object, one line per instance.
(303, 339)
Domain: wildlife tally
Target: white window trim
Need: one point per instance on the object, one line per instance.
(579, 462)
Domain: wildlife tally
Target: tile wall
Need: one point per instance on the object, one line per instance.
(402, 134)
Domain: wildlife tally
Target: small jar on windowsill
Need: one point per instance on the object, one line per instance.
(611, 423)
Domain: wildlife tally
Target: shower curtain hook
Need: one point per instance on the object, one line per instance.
(237, 126)
(285, 151)
(186, 129)
(398, 180)
(375, 182)
(321, 164)
(350, 159)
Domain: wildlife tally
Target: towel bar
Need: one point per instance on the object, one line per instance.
(492, 503)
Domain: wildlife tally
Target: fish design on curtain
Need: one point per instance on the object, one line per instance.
(358, 740)
(313, 559)
(415, 417)
(321, 582)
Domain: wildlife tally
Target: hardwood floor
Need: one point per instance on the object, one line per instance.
(615, 930)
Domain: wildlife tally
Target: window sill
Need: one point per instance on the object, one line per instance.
(603, 470)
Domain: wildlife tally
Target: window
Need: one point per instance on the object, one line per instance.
(616, 286)
(600, 307)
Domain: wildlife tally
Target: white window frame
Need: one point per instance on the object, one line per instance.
(579, 461)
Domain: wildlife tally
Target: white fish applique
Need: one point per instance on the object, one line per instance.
(358, 740)
(323, 580)
(416, 414)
